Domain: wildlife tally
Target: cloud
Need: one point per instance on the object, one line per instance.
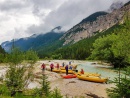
(123, 1)
(72, 12)
(21, 18)
(12, 5)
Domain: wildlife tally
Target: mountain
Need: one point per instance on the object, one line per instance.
(57, 29)
(127, 3)
(83, 48)
(77, 42)
(93, 17)
(35, 41)
(90, 26)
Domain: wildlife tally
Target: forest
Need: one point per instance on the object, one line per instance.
(111, 46)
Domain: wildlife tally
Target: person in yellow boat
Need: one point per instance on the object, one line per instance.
(82, 71)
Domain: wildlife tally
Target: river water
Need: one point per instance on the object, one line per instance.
(105, 71)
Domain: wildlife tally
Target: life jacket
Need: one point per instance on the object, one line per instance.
(43, 66)
(82, 71)
(70, 67)
(57, 65)
(66, 67)
(51, 66)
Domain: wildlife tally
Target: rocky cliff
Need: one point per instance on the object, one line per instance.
(102, 23)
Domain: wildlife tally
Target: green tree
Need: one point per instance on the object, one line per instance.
(2, 51)
(45, 85)
(2, 54)
(19, 75)
(121, 50)
(122, 85)
(115, 47)
(102, 47)
(31, 56)
(56, 93)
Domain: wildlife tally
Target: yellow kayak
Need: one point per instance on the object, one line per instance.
(89, 74)
(69, 71)
(56, 70)
(92, 78)
(62, 68)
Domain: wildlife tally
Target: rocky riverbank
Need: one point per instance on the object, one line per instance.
(73, 87)
(68, 87)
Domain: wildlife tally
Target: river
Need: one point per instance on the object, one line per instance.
(105, 71)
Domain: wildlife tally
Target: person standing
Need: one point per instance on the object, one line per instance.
(66, 68)
(69, 62)
(43, 66)
(63, 64)
(51, 66)
(70, 67)
(57, 66)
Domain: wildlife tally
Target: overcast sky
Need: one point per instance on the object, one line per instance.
(22, 18)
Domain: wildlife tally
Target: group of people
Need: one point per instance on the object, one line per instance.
(67, 67)
(43, 66)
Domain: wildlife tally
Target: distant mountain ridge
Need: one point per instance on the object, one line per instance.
(34, 41)
(56, 38)
(86, 29)
(56, 29)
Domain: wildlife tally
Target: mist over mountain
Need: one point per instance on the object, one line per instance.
(35, 41)
(115, 6)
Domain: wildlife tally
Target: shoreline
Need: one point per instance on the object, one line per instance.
(68, 87)
(74, 87)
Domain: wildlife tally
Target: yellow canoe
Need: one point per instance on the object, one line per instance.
(69, 71)
(92, 78)
(56, 70)
(62, 68)
(89, 74)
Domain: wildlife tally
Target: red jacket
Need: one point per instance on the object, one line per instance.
(52, 65)
(82, 71)
(43, 66)
(57, 66)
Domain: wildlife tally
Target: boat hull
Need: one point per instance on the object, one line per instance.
(69, 71)
(92, 78)
(56, 70)
(62, 68)
(88, 74)
(68, 76)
